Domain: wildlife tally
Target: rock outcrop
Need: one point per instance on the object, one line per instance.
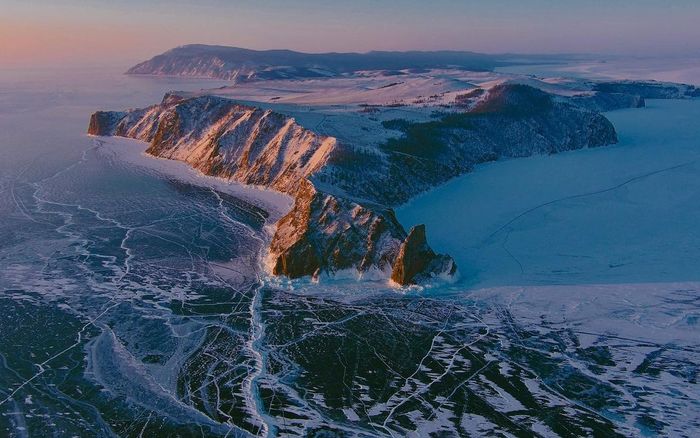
(417, 262)
(323, 233)
(220, 137)
(342, 218)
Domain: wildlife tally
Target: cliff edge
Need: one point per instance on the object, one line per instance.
(323, 232)
(342, 218)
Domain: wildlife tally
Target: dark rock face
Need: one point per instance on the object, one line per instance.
(417, 262)
(324, 234)
(601, 101)
(105, 122)
(649, 89)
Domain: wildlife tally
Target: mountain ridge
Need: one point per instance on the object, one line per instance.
(240, 64)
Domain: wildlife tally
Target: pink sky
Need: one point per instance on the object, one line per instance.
(123, 32)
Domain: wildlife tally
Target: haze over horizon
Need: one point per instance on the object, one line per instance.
(125, 32)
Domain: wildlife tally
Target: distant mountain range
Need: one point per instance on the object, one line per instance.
(233, 63)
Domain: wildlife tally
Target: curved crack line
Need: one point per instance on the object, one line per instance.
(583, 195)
(505, 248)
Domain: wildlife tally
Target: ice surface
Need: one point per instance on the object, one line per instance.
(132, 301)
(626, 213)
(276, 204)
(599, 244)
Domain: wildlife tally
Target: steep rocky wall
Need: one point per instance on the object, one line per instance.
(324, 232)
(220, 137)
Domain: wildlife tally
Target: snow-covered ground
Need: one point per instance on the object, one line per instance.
(351, 108)
(658, 313)
(628, 213)
(374, 88)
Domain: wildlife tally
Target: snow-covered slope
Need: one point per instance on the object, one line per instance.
(510, 120)
(343, 190)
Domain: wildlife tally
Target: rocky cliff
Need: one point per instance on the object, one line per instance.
(416, 260)
(323, 233)
(342, 218)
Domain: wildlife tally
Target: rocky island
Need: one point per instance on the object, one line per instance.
(345, 184)
(342, 217)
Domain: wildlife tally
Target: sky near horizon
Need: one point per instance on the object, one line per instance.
(127, 31)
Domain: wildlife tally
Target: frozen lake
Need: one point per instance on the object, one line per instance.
(115, 278)
(627, 213)
(603, 244)
(132, 303)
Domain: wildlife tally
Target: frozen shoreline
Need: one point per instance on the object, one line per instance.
(132, 151)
